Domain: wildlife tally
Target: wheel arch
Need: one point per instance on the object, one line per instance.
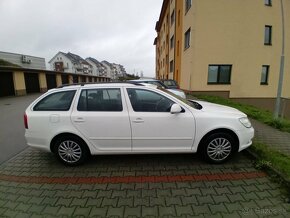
(66, 134)
(220, 130)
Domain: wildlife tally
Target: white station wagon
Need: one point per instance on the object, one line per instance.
(122, 118)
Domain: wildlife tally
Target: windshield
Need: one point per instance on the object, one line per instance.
(157, 83)
(192, 104)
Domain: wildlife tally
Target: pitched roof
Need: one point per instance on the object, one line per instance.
(76, 59)
(108, 64)
(60, 52)
(95, 61)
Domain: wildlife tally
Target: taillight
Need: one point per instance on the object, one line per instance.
(25, 121)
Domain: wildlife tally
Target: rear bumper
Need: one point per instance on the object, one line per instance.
(36, 142)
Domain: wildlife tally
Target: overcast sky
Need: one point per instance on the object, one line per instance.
(119, 31)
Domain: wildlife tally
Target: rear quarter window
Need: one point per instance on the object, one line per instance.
(59, 101)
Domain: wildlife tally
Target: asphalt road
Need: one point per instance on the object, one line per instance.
(12, 130)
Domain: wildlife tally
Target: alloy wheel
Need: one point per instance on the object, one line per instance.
(219, 149)
(70, 151)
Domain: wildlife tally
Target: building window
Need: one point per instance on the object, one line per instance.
(268, 35)
(268, 2)
(171, 66)
(219, 74)
(172, 17)
(187, 39)
(172, 42)
(187, 5)
(265, 74)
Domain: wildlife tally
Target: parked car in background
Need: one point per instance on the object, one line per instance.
(76, 121)
(170, 83)
(159, 83)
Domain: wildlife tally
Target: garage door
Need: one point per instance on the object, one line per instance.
(31, 82)
(51, 81)
(6, 84)
(64, 79)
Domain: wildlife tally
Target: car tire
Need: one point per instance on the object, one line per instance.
(218, 148)
(71, 150)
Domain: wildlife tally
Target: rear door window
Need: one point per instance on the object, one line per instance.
(59, 101)
(100, 100)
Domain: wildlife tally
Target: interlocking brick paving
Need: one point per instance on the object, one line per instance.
(35, 184)
(272, 137)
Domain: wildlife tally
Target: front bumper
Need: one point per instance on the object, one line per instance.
(246, 138)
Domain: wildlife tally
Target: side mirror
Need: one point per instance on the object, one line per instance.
(175, 109)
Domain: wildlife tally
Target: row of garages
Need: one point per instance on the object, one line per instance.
(21, 82)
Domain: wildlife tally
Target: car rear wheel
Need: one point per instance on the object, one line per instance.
(218, 147)
(71, 150)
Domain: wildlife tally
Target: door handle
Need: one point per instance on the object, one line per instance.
(79, 120)
(138, 120)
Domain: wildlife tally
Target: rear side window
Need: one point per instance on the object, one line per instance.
(100, 100)
(60, 101)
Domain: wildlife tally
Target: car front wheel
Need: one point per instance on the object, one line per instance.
(71, 150)
(218, 147)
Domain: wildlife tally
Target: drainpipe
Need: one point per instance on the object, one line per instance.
(281, 75)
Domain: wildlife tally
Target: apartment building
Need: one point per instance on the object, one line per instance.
(70, 63)
(120, 70)
(225, 47)
(114, 71)
(98, 68)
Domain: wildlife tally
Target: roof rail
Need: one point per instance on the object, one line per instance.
(88, 83)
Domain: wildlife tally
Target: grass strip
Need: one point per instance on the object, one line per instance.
(269, 157)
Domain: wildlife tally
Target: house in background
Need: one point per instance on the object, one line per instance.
(114, 71)
(227, 48)
(119, 70)
(70, 63)
(25, 61)
(109, 69)
(98, 68)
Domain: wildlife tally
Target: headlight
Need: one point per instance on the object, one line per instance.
(246, 122)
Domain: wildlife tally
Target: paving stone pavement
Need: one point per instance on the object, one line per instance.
(272, 137)
(34, 184)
